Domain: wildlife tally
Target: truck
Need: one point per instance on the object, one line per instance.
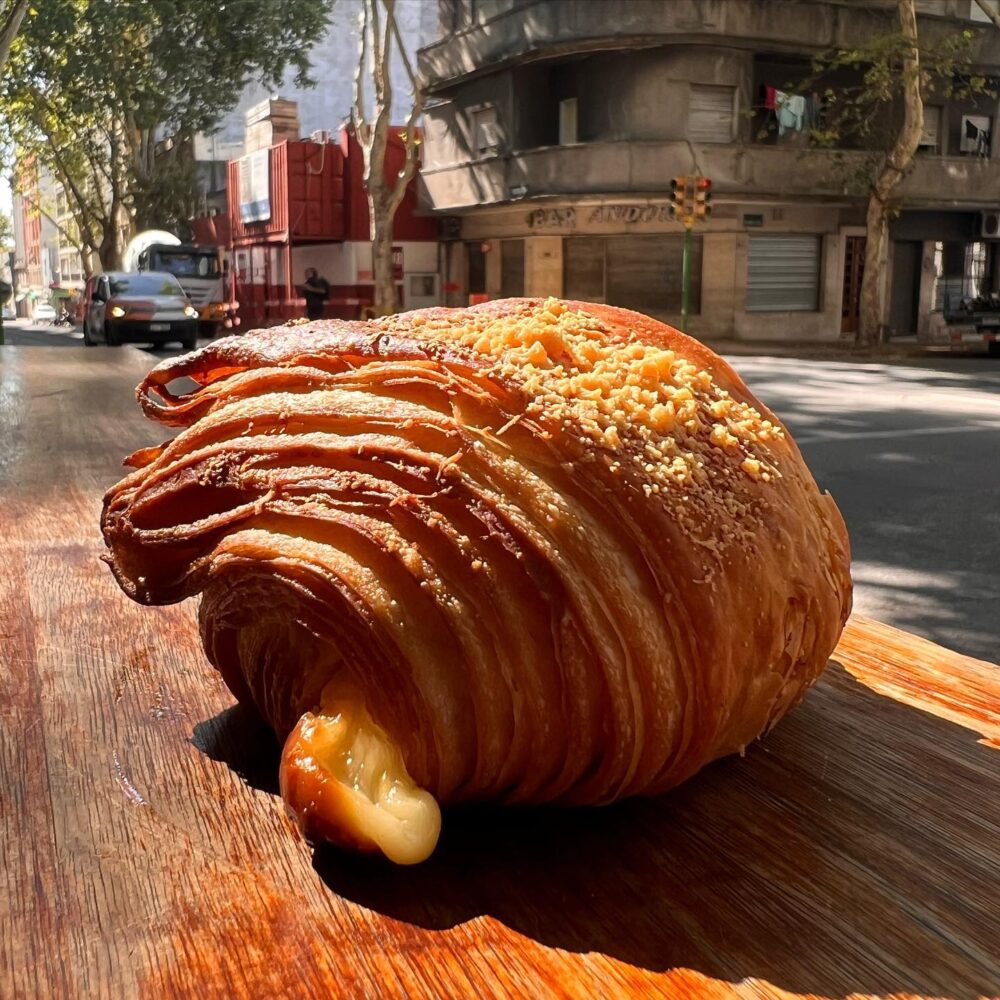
(203, 272)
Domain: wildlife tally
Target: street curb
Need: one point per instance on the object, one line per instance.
(832, 351)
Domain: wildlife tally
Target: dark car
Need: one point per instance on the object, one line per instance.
(150, 308)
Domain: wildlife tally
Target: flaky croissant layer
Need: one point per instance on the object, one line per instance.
(531, 551)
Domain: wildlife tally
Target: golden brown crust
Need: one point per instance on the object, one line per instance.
(560, 547)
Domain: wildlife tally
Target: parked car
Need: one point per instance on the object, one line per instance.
(150, 307)
(43, 313)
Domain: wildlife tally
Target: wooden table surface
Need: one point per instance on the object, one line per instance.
(146, 854)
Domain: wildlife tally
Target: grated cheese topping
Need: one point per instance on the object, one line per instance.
(634, 402)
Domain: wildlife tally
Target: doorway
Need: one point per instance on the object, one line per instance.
(904, 299)
(854, 272)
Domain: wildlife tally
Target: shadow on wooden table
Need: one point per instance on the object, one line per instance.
(855, 850)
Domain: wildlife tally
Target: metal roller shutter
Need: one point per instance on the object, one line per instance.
(583, 268)
(644, 273)
(511, 268)
(783, 274)
(710, 114)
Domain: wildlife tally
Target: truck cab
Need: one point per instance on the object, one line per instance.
(204, 275)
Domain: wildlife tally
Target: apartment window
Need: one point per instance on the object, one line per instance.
(485, 131)
(962, 271)
(568, 133)
(710, 114)
(783, 273)
(929, 138)
(974, 139)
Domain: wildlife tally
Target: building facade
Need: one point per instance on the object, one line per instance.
(554, 128)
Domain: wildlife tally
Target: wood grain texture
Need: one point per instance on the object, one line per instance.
(856, 850)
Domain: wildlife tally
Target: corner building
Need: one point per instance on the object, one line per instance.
(554, 128)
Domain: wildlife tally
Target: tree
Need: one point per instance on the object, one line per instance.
(883, 113)
(111, 107)
(379, 35)
(6, 233)
(888, 177)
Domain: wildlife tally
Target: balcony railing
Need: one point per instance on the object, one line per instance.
(559, 26)
(644, 168)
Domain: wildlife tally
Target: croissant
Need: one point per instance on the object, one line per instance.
(532, 551)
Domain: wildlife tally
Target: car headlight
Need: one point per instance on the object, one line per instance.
(117, 312)
(190, 311)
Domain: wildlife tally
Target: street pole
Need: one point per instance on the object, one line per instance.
(686, 275)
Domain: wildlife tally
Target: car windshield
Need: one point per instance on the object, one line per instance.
(145, 284)
(188, 264)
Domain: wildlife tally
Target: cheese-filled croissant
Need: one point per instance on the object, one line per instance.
(532, 551)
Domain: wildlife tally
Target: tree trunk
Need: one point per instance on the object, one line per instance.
(888, 179)
(9, 28)
(110, 250)
(382, 270)
(990, 11)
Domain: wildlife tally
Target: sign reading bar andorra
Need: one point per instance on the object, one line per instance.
(566, 218)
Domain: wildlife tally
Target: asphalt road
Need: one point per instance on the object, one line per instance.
(21, 333)
(912, 456)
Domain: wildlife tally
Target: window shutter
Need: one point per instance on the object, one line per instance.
(932, 122)
(486, 131)
(710, 114)
(783, 274)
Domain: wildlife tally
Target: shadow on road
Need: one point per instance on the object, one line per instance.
(909, 454)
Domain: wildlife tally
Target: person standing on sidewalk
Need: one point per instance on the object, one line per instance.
(316, 291)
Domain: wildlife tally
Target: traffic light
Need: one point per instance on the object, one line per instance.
(702, 198)
(678, 198)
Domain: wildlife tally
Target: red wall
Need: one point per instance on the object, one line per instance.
(407, 225)
(307, 195)
(318, 195)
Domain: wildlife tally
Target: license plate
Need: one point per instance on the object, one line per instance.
(159, 327)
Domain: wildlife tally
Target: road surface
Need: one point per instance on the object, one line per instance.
(911, 453)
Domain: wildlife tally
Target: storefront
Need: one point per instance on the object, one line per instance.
(753, 267)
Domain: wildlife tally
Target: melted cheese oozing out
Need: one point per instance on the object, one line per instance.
(368, 797)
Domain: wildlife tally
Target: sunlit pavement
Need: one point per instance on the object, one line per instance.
(911, 453)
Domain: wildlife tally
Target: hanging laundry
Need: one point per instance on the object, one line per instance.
(791, 109)
(769, 97)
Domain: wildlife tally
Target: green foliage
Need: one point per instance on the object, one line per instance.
(860, 93)
(862, 110)
(6, 233)
(95, 90)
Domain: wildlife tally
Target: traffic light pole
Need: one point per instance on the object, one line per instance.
(686, 276)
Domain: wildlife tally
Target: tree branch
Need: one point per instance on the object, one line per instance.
(987, 9)
(358, 111)
(390, 17)
(76, 242)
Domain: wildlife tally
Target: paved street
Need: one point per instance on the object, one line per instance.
(911, 455)
(25, 334)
